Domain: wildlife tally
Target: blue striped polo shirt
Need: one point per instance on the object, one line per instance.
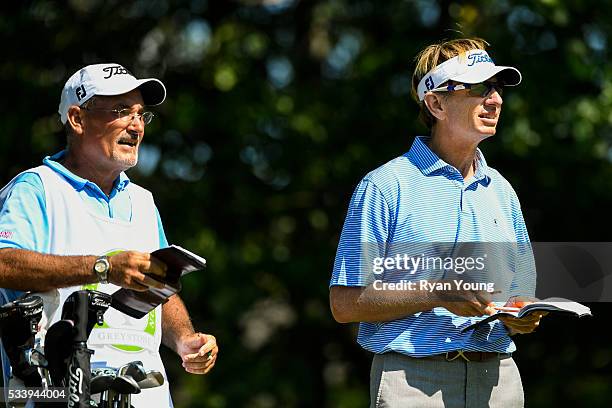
(420, 203)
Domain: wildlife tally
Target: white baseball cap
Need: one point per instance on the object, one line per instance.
(471, 67)
(107, 79)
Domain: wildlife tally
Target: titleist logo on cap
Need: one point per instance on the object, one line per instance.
(116, 70)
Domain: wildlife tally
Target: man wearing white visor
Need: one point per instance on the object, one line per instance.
(78, 222)
(440, 196)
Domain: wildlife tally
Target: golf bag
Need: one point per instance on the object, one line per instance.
(18, 325)
(66, 344)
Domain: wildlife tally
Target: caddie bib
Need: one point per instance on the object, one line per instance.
(76, 230)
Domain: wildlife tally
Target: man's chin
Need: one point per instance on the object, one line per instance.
(131, 163)
(127, 162)
(487, 131)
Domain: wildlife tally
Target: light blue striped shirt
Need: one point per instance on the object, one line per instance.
(419, 203)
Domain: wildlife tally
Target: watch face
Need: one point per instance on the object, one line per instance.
(100, 266)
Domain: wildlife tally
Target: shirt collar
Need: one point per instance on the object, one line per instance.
(428, 162)
(482, 170)
(76, 181)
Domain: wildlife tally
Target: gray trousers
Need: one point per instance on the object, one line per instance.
(398, 381)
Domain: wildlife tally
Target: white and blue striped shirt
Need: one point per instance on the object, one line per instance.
(418, 199)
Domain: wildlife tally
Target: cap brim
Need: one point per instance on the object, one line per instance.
(153, 91)
(509, 75)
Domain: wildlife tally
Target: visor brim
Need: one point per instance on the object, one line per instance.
(510, 76)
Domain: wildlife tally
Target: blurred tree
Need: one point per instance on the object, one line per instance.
(275, 110)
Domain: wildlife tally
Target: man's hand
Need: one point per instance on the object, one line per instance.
(465, 302)
(198, 351)
(525, 325)
(129, 269)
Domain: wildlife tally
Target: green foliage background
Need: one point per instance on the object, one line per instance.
(275, 110)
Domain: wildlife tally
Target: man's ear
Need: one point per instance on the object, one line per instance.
(436, 105)
(75, 120)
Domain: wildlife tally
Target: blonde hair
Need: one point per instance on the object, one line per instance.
(431, 57)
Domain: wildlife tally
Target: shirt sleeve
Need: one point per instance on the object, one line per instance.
(363, 238)
(163, 241)
(23, 215)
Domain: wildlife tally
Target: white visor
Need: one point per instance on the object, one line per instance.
(469, 68)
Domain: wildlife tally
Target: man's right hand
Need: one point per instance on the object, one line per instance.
(132, 270)
(466, 302)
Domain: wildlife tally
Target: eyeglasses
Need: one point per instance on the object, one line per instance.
(126, 115)
(481, 89)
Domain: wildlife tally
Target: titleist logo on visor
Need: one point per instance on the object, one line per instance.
(475, 58)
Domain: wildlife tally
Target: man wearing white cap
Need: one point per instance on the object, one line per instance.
(77, 222)
(432, 200)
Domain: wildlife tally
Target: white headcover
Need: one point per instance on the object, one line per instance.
(107, 79)
(469, 68)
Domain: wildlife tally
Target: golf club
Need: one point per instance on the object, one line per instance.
(103, 372)
(135, 370)
(124, 386)
(152, 380)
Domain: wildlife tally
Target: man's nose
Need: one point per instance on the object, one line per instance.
(137, 123)
(494, 97)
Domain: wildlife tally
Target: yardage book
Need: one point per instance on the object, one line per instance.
(179, 262)
(550, 305)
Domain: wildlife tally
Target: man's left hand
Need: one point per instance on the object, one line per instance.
(198, 352)
(525, 325)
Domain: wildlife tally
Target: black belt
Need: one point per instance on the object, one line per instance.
(470, 356)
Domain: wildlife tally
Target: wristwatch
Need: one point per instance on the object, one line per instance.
(102, 267)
